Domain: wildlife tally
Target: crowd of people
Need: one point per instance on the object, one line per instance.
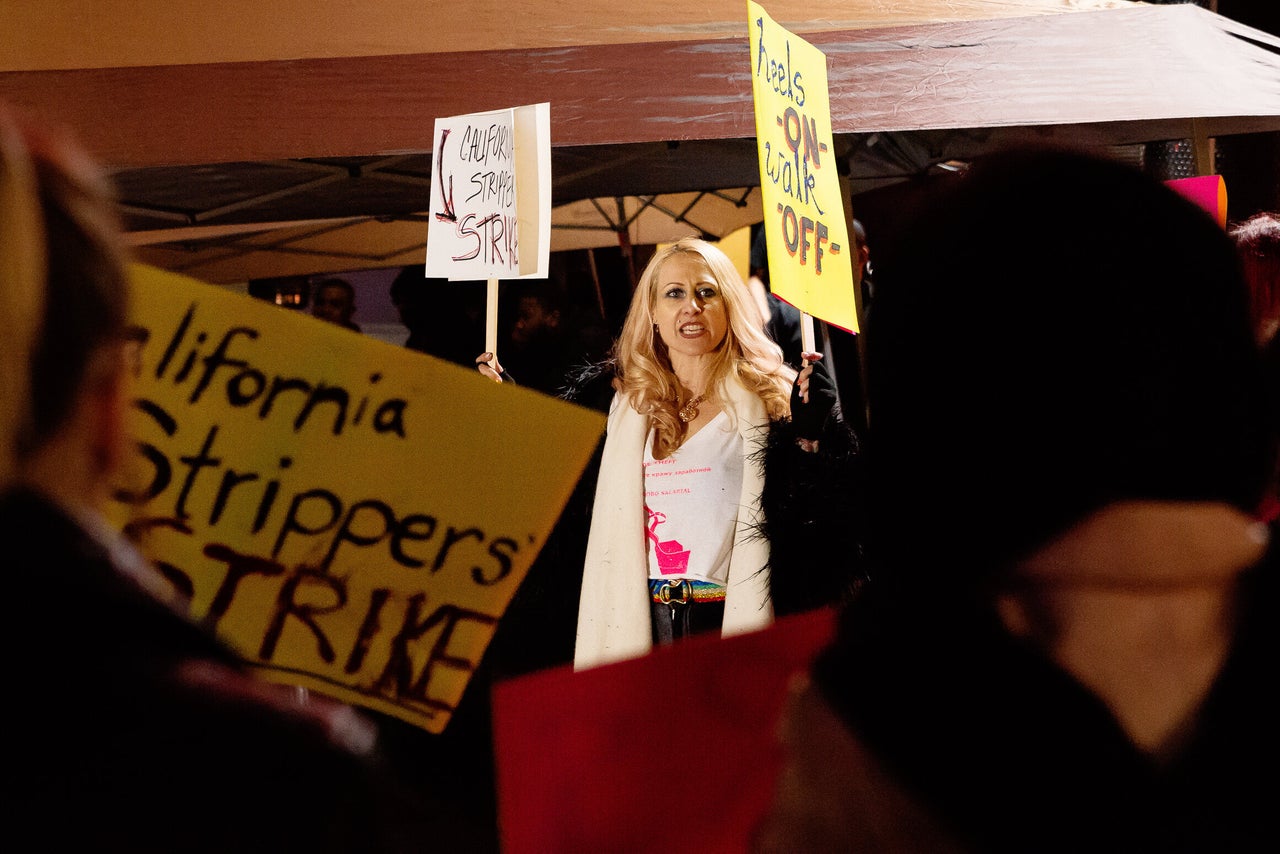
(1052, 551)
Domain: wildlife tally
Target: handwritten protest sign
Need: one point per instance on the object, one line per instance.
(353, 517)
(491, 191)
(805, 230)
(491, 195)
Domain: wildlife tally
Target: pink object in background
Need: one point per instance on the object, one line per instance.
(1207, 191)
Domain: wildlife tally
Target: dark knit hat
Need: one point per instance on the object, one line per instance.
(1052, 333)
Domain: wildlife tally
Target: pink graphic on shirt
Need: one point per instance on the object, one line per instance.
(673, 558)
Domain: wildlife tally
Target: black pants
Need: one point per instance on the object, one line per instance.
(681, 619)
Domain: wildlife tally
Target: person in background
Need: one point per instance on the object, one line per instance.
(718, 460)
(444, 318)
(136, 730)
(842, 348)
(1257, 240)
(542, 348)
(845, 348)
(781, 319)
(1067, 639)
(334, 300)
(538, 312)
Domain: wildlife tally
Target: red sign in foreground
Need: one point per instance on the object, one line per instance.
(672, 752)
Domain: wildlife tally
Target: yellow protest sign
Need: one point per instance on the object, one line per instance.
(805, 230)
(353, 517)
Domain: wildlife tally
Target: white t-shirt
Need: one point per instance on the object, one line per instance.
(691, 501)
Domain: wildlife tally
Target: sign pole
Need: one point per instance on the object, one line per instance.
(491, 322)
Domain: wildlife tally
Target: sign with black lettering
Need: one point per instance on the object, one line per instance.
(804, 217)
(490, 215)
(353, 517)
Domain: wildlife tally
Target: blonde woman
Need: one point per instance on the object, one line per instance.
(707, 422)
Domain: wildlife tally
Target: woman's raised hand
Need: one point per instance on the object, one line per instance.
(488, 364)
(802, 381)
(812, 397)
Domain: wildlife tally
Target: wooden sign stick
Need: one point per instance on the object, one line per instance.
(491, 324)
(806, 334)
(806, 340)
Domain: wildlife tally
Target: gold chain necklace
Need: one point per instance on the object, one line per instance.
(689, 411)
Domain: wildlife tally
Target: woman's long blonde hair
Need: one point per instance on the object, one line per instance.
(646, 378)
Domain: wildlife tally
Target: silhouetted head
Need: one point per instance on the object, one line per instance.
(63, 308)
(1053, 333)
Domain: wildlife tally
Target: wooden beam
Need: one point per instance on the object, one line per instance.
(67, 34)
(187, 114)
(1035, 72)
(1202, 145)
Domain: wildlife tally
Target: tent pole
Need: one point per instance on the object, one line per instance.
(595, 280)
(1202, 146)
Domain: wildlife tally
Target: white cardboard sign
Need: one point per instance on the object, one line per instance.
(490, 213)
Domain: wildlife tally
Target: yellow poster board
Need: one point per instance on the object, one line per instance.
(351, 516)
(805, 231)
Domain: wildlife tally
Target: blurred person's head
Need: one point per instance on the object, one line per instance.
(862, 252)
(63, 308)
(334, 300)
(1053, 334)
(538, 312)
(408, 296)
(1257, 240)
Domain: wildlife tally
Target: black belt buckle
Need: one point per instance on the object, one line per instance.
(667, 596)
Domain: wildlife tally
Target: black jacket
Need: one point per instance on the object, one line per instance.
(118, 743)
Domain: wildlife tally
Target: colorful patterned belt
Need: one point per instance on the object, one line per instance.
(680, 591)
